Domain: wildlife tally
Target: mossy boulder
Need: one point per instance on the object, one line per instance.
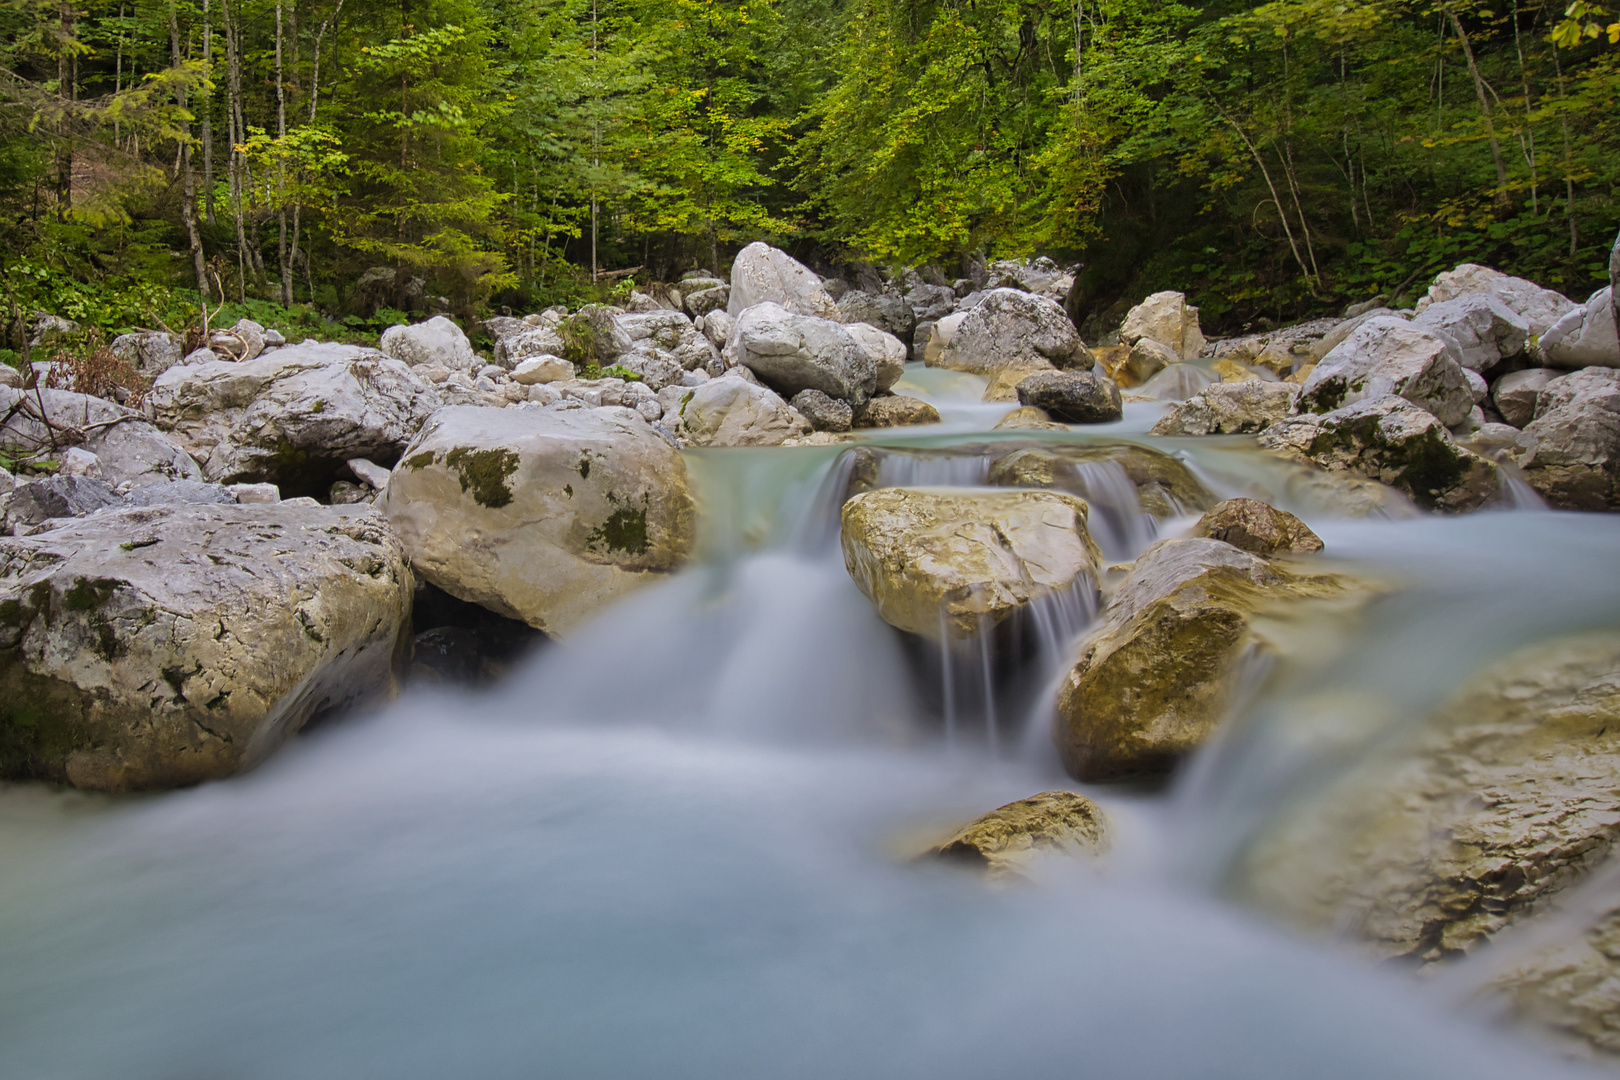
(1390, 440)
(954, 564)
(168, 645)
(1164, 665)
(544, 515)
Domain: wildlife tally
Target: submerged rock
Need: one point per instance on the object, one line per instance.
(1230, 409)
(1075, 397)
(1164, 485)
(1504, 796)
(1165, 664)
(1394, 442)
(545, 515)
(1029, 418)
(896, 410)
(1006, 840)
(159, 647)
(1178, 382)
(952, 565)
(1257, 527)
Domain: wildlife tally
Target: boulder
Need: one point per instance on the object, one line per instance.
(169, 645)
(129, 449)
(670, 333)
(1390, 440)
(896, 410)
(1167, 318)
(531, 341)
(729, 411)
(1074, 397)
(242, 341)
(1484, 330)
(592, 335)
(1165, 486)
(792, 352)
(542, 369)
(1007, 840)
(1515, 394)
(295, 416)
(1230, 409)
(717, 327)
(1258, 528)
(1003, 382)
(888, 352)
(1166, 662)
(939, 335)
(1503, 796)
(881, 311)
(1013, 329)
(704, 301)
(180, 491)
(541, 514)
(149, 352)
(56, 497)
(1391, 356)
(1341, 330)
(951, 565)
(823, 412)
(1538, 307)
(1146, 359)
(1584, 336)
(761, 274)
(437, 341)
(1574, 455)
(930, 302)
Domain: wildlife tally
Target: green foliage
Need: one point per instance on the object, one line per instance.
(618, 371)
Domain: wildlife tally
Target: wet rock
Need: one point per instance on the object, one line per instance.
(1003, 383)
(544, 515)
(1014, 329)
(1178, 382)
(823, 412)
(1394, 442)
(888, 352)
(437, 341)
(130, 450)
(792, 352)
(1008, 839)
(761, 274)
(1164, 665)
(1230, 409)
(1258, 528)
(1483, 329)
(1505, 795)
(954, 565)
(1028, 418)
(151, 353)
(896, 410)
(882, 311)
(1515, 394)
(1167, 318)
(1146, 359)
(159, 647)
(1164, 486)
(1074, 397)
(1391, 356)
(1584, 336)
(729, 411)
(1574, 456)
(56, 497)
(295, 416)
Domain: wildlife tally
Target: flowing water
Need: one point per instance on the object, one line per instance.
(680, 844)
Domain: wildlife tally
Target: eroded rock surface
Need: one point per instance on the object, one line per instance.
(1230, 409)
(1009, 838)
(1258, 528)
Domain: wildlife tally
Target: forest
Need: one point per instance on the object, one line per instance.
(360, 160)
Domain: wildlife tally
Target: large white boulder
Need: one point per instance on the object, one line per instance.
(1538, 307)
(791, 352)
(130, 450)
(1167, 318)
(541, 514)
(294, 416)
(1012, 329)
(1574, 458)
(437, 341)
(1584, 336)
(1391, 356)
(731, 411)
(888, 352)
(1484, 330)
(762, 274)
(172, 644)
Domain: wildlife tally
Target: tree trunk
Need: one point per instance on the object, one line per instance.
(208, 115)
(283, 268)
(188, 205)
(1484, 105)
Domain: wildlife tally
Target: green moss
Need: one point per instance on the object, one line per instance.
(568, 490)
(484, 474)
(420, 461)
(625, 531)
(287, 458)
(1430, 468)
(41, 723)
(106, 645)
(1327, 396)
(89, 594)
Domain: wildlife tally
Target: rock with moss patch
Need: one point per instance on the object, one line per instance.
(168, 645)
(295, 416)
(1391, 356)
(1029, 418)
(1230, 408)
(1257, 527)
(541, 514)
(955, 564)
(1007, 840)
(1394, 442)
(593, 336)
(1468, 820)
(1165, 664)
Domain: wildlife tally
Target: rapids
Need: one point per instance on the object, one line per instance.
(679, 843)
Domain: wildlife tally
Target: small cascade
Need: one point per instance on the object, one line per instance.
(933, 470)
(1517, 494)
(1117, 521)
(1177, 382)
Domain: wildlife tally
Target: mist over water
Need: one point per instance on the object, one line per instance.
(681, 843)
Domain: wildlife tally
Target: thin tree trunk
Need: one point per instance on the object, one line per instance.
(1293, 188)
(1275, 198)
(283, 268)
(315, 65)
(208, 115)
(1529, 141)
(1569, 165)
(188, 206)
(233, 118)
(1484, 105)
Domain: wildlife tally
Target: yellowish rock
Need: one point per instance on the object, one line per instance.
(1006, 840)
